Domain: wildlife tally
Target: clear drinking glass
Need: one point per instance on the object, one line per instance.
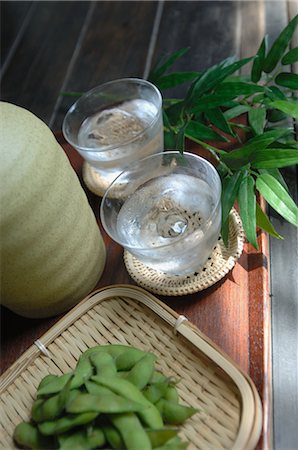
(166, 211)
(115, 124)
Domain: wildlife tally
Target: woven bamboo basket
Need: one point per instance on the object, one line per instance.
(230, 413)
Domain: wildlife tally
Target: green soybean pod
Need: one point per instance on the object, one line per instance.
(54, 386)
(113, 437)
(131, 431)
(47, 379)
(174, 444)
(82, 372)
(104, 404)
(161, 436)
(171, 394)
(174, 413)
(113, 349)
(142, 371)
(157, 377)
(82, 439)
(94, 388)
(149, 415)
(127, 359)
(104, 364)
(52, 407)
(27, 435)
(66, 423)
(154, 392)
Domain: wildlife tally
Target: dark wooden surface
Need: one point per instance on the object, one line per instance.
(49, 47)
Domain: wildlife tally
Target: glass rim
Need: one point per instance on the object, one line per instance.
(87, 94)
(180, 238)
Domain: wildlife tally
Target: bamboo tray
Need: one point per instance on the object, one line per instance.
(230, 415)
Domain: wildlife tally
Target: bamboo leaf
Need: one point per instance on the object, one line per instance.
(263, 222)
(230, 188)
(211, 101)
(258, 62)
(236, 111)
(197, 131)
(165, 63)
(215, 75)
(272, 158)
(247, 205)
(174, 79)
(291, 57)
(257, 119)
(287, 79)
(277, 175)
(280, 45)
(275, 194)
(288, 107)
(217, 118)
(274, 93)
(242, 156)
(238, 88)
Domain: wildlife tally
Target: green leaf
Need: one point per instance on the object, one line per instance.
(217, 118)
(291, 57)
(275, 194)
(258, 62)
(263, 222)
(277, 175)
(238, 88)
(230, 188)
(174, 79)
(165, 63)
(211, 101)
(274, 158)
(279, 46)
(215, 75)
(275, 93)
(236, 111)
(247, 205)
(287, 79)
(197, 131)
(175, 112)
(257, 119)
(286, 106)
(242, 156)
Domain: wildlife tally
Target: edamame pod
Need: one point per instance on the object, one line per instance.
(52, 407)
(127, 359)
(55, 385)
(82, 440)
(174, 413)
(104, 364)
(27, 435)
(171, 394)
(105, 404)
(131, 431)
(82, 372)
(113, 437)
(149, 415)
(174, 444)
(161, 436)
(154, 392)
(66, 423)
(142, 371)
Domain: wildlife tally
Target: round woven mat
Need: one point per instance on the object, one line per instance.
(94, 182)
(220, 262)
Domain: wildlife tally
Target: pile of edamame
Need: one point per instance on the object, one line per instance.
(114, 399)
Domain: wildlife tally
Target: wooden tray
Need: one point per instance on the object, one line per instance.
(230, 415)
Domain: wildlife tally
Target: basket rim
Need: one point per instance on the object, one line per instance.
(250, 425)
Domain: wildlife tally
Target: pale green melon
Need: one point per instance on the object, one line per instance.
(52, 252)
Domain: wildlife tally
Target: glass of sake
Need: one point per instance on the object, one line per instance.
(115, 124)
(166, 211)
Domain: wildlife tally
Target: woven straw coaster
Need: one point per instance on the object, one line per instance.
(221, 261)
(93, 180)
